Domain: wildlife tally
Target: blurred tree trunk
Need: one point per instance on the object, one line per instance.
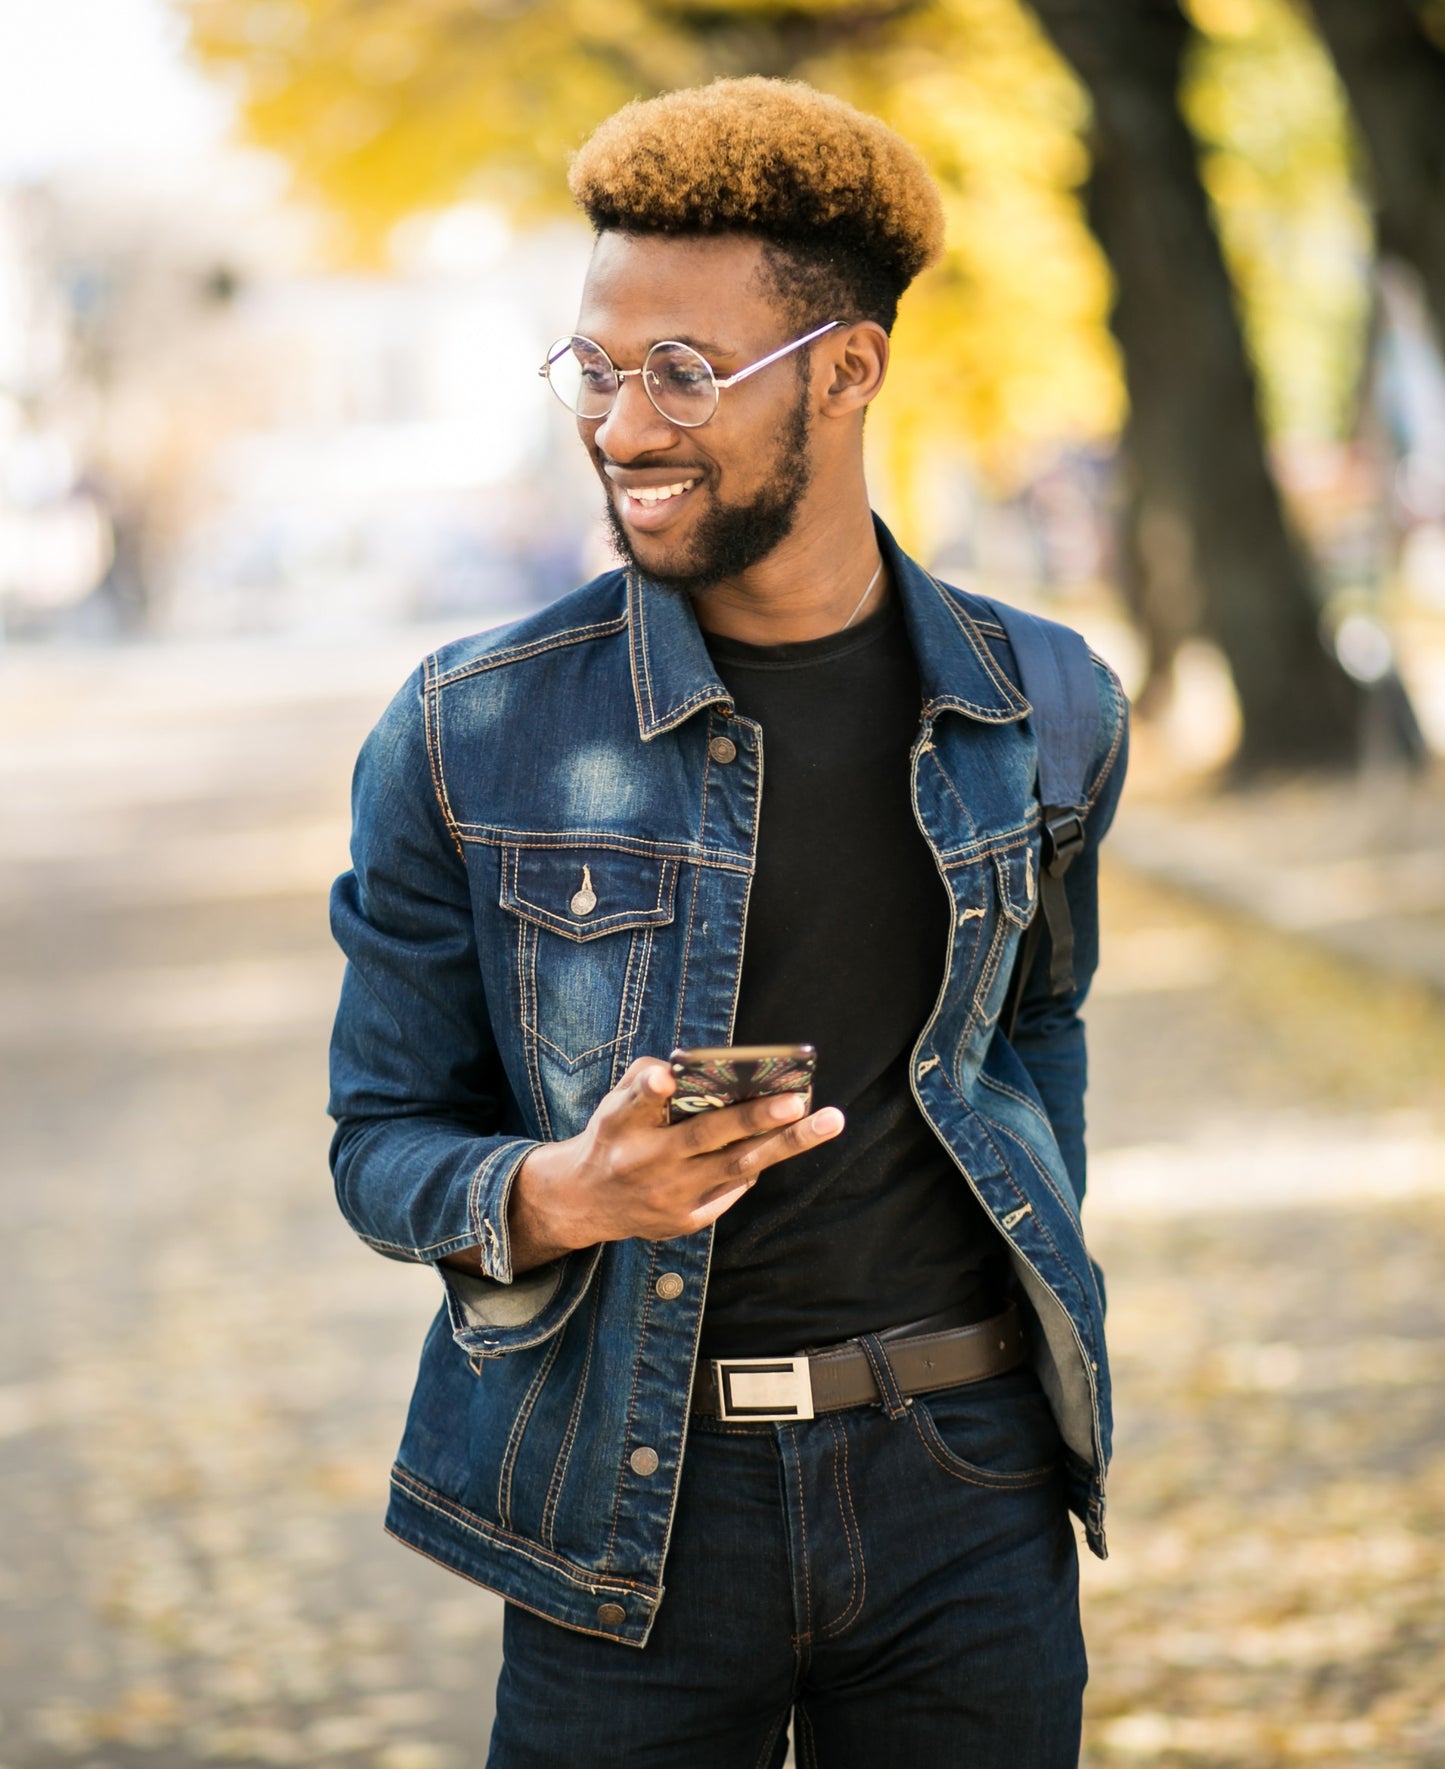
(1155, 565)
(1195, 449)
(1394, 77)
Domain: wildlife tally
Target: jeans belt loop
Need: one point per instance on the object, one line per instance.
(894, 1403)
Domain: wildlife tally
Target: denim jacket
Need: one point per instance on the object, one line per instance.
(551, 861)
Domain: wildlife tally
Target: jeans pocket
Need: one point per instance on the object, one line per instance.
(998, 1433)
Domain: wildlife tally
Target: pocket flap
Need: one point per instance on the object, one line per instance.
(583, 892)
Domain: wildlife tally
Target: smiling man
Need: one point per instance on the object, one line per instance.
(775, 1413)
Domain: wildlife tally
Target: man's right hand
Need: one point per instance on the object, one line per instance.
(631, 1173)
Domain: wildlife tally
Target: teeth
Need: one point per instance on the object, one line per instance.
(656, 494)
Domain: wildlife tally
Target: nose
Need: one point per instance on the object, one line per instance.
(634, 426)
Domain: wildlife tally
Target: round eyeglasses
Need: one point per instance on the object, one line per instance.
(676, 378)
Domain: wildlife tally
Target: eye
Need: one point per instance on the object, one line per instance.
(592, 366)
(684, 377)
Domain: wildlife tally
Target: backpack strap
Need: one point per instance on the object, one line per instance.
(1056, 676)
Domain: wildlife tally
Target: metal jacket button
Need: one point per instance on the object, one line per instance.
(584, 901)
(669, 1286)
(643, 1461)
(611, 1614)
(722, 749)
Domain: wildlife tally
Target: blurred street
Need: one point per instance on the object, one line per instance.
(204, 1375)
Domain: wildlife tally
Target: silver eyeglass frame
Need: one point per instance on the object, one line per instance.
(720, 383)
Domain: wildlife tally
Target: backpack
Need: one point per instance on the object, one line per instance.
(1056, 676)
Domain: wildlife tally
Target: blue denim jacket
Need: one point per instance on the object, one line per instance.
(489, 1003)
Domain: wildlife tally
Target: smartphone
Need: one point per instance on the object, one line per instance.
(728, 1074)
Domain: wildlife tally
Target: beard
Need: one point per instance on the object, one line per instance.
(731, 538)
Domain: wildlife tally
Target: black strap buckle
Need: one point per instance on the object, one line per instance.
(1061, 842)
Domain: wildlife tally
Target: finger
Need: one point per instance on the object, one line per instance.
(638, 1102)
(716, 1203)
(708, 1131)
(748, 1159)
(647, 1085)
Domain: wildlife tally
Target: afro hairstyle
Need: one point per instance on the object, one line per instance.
(847, 208)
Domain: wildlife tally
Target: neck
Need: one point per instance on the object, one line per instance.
(809, 586)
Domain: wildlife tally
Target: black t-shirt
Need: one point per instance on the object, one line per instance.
(847, 935)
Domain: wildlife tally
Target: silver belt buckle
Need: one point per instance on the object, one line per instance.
(763, 1388)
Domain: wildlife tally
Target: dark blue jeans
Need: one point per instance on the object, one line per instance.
(905, 1588)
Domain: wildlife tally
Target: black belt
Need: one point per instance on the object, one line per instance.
(765, 1388)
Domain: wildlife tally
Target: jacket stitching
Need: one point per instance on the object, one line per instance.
(948, 784)
(521, 902)
(564, 840)
(528, 1549)
(480, 1222)
(985, 847)
(527, 986)
(569, 1438)
(692, 907)
(619, 922)
(1070, 1206)
(637, 651)
(988, 1127)
(654, 725)
(1120, 708)
(754, 818)
(634, 989)
(420, 1255)
(980, 1016)
(519, 1428)
(431, 735)
(966, 625)
(600, 629)
(572, 1063)
(699, 698)
(528, 841)
(986, 1080)
(471, 1578)
(502, 1228)
(627, 1428)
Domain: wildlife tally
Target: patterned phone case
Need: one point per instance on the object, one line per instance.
(707, 1079)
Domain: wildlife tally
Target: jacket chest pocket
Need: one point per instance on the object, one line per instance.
(585, 918)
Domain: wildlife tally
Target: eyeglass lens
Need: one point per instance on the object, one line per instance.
(678, 381)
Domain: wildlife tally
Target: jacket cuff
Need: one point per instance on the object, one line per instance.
(488, 1198)
(497, 1311)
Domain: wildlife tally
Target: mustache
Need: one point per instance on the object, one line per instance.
(645, 463)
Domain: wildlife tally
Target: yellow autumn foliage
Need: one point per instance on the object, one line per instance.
(395, 106)
(402, 105)
(1279, 162)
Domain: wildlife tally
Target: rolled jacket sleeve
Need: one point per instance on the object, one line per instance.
(423, 1156)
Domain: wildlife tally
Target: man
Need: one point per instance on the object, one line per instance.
(769, 783)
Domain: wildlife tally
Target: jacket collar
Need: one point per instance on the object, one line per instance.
(673, 676)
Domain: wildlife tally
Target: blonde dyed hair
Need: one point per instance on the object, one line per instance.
(849, 206)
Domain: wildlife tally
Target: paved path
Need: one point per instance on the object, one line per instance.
(202, 1375)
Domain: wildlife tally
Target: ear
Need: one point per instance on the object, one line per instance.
(854, 362)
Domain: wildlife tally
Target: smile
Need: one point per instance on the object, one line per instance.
(649, 508)
(658, 494)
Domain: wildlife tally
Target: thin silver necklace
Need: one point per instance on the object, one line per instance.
(862, 599)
